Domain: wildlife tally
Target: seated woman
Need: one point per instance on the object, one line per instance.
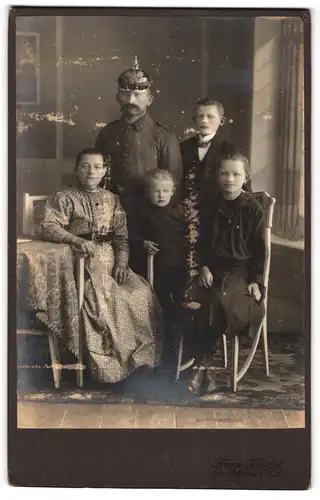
(121, 315)
(232, 256)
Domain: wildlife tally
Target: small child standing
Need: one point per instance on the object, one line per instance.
(231, 253)
(161, 232)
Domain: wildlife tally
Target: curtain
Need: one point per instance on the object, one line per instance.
(289, 214)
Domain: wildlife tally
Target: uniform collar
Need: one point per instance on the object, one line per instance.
(140, 124)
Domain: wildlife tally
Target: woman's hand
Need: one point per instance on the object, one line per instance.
(84, 246)
(120, 273)
(206, 277)
(151, 247)
(254, 291)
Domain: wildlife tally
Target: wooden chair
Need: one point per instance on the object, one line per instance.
(267, 203)
(151, 270)
(29, 210)
(181, 367)
(28, 229)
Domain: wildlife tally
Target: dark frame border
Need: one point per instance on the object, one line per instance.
(152, 458)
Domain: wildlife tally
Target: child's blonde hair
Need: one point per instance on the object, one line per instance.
(159, 175)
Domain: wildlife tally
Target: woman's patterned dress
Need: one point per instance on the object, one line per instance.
(122, 323)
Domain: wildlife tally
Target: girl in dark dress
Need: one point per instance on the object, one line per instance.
(231, 252)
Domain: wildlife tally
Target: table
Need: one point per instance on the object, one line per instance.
(46, 285)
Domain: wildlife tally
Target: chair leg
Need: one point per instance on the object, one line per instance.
(55, 358)
(235, 361)
(80, 375)
(80, 287)
(225, 351)
(80, 359)
(180, 352)
(265, 344)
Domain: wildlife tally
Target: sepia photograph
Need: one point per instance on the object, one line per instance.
(160, 220)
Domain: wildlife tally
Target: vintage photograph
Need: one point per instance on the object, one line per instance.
(160, 258)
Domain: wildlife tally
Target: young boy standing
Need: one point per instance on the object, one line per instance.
(161, 232)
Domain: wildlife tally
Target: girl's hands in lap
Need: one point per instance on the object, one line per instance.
(254, 291)
(205, 278)
(120, 274)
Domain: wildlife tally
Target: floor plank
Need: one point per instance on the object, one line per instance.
(155, 417)
(85, 416)
(80, 416)
(195, 418)
(295, 419)
(40, 415)
(266, 419)
(118, 417)
(227, 418)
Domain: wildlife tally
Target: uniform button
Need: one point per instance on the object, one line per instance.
(229, 221)
(224, 293)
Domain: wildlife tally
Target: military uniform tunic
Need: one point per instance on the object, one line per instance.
(136, 149)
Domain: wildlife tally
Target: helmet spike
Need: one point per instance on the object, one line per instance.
(134, 78)
(135, 65)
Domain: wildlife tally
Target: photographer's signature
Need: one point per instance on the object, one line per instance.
(258, 467)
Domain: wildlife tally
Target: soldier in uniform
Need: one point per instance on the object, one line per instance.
(136, 145)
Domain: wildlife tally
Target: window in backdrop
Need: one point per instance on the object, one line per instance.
(28, 68)
(36, 76)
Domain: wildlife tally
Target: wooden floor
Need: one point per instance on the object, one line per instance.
(86, 416)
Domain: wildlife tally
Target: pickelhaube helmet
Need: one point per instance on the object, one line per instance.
(134, 78)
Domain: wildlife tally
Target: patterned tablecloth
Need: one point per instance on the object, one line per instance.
(46, 285)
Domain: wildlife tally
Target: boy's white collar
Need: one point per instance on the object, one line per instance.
(206, 138)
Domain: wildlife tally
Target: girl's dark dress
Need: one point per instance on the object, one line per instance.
(232, 246)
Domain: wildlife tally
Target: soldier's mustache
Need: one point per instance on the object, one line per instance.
(131, 106)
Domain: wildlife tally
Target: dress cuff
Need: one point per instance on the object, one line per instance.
(121, 258)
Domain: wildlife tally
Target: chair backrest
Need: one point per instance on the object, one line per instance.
(267, 202)
(32, 212)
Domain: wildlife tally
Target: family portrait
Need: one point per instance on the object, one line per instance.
(160, 201)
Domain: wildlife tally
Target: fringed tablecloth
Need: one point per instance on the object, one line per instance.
(46, 285)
